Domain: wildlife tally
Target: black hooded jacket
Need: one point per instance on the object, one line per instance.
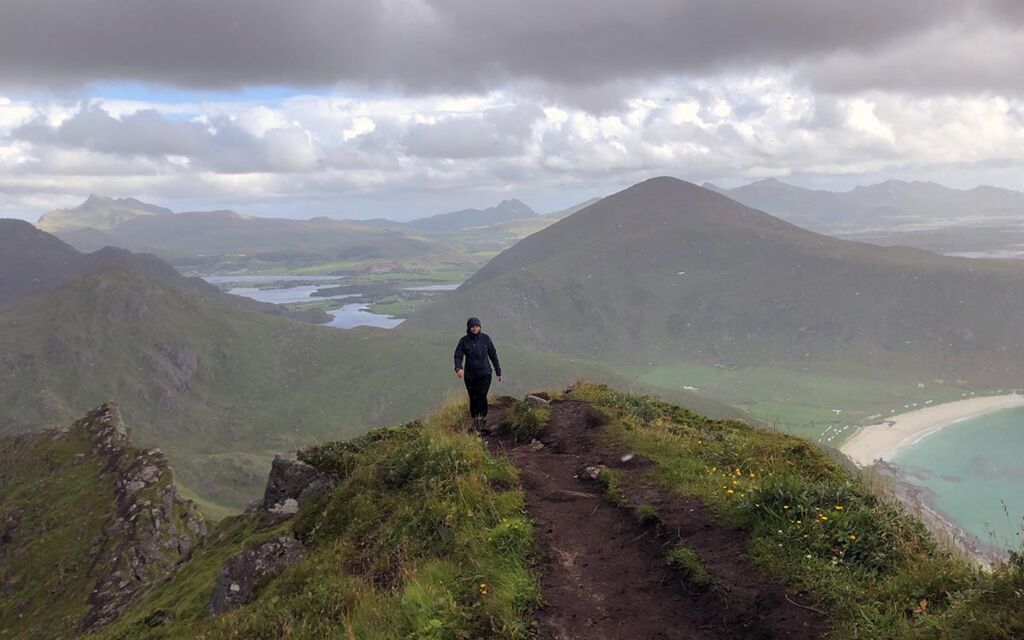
(478, 352)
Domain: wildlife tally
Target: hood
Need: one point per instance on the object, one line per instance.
(471, 322)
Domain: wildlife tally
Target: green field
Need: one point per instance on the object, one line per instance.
(803, 403)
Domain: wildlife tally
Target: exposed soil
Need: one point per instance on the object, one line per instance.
(604, 572)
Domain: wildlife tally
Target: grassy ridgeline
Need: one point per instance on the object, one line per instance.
(856, 555)
(425, 537)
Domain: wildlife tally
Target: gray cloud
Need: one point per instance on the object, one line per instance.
(219, 144)
(468, 45)
(496, 132)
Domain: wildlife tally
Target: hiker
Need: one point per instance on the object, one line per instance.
(478, 352)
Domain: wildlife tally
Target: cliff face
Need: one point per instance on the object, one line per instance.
(90, 522)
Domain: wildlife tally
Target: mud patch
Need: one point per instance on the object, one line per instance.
(605, 572)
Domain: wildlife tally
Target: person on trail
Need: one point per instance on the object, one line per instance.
(477, 350)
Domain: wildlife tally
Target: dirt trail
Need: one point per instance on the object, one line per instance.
(605, 576)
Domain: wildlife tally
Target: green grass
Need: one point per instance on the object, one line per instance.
(212, 511)
(802, 402)
(425, 537)
(685, 560)
(646, 514)
(525, 421)
(818, 527)
(62, 508)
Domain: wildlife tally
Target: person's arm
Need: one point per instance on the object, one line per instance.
(460, 354)
(492, 353)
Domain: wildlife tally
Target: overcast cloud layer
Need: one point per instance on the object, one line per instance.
(465, 101)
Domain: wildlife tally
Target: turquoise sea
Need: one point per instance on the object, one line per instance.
(976, 470)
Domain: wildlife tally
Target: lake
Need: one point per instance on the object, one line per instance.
(974, 468)
(285, 295)
(346, 316)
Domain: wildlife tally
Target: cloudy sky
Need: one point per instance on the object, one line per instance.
(402, 108)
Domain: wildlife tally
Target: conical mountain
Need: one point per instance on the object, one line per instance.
(668, 271)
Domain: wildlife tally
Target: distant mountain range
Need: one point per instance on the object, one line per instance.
(505, 211)
(667, 271)
(218, 240)
(34, 262)
(892, 202)
(979, 222)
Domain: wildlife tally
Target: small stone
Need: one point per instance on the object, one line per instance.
(590, 473)
(534, 446)
(537, 401)
(288, 507)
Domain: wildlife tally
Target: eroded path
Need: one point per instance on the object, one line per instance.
(605, 575)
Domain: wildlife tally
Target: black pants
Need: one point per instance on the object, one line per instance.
(477, 386)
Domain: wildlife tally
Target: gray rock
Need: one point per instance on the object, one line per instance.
(590, 473)
(322, 484)
(289, 507)
(245, 573)
(295, 481)
(534, 446)
(288, 478)
(537, 401)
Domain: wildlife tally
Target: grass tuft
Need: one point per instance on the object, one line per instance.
(685, 560)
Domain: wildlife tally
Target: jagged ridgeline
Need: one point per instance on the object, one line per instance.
(87, 522)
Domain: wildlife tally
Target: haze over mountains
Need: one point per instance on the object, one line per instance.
(669, 271)
(219, 240)
(925, 215)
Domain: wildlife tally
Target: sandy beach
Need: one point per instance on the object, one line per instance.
(879, 441)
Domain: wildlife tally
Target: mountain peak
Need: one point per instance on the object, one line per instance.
(96, 200)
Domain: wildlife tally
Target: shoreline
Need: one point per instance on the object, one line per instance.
(920, 502)
(872, 445)
(879, 441)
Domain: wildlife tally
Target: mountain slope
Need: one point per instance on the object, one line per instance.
(97, 212)
(190, 237)
(34, 262)
(505, 211)
(88, 523)
(667, 271)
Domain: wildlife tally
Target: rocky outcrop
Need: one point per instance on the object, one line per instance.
(245, 573)
(293, 482)
(153, 529)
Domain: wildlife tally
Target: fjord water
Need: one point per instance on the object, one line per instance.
(974, 468)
